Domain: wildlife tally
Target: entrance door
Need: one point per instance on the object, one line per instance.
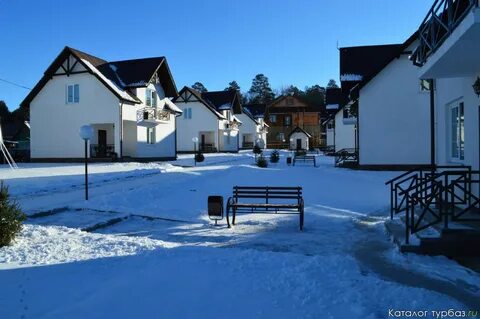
(102, 143)
(202, 143)
(299, 143)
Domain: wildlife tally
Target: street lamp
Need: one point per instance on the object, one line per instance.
(290, 147)
(86, 134)
(195, 141)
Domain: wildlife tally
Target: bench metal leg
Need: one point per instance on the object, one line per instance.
(234, 213)
(301, 218)
(228, 218)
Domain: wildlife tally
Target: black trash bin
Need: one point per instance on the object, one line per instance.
(289, 160)
(215, 208)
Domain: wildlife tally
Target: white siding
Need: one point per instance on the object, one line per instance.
(55, 124)
(203, 120)
(344, 134)
(394, 117)
(448, 91)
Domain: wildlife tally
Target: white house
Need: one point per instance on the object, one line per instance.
(298, 139)
(211, 117)
(124, 101)
(345, 130)
(393, 110)
(253, 129)
(451, 63)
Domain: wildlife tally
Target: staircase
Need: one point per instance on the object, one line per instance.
(438, 209)
(346, 157)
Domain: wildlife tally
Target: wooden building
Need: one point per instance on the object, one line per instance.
(286, 113)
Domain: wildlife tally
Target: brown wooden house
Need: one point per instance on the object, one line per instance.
(286, 113)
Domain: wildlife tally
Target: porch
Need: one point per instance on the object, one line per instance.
(103, 145)
(248, 141)
(207, 142)
(438, 210)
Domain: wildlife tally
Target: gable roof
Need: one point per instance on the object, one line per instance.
(117, 76)
(222, 100)
(200, 99)
(301, 106)
(400, 50)
(249, 115)
(256, 110)
(298, 129)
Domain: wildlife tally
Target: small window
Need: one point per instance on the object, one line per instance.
(187, 113)
(151, 135)
(457, 131)
(273, 118)
(73, 93)
(281, 137)
(330, 126)
(150, 98)
(426, 85)
(287, 120)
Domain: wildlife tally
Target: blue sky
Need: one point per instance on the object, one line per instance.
(212, 41)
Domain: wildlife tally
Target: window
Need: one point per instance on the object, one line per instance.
(330, 126)
(273, 118)
(457, 131)
(289, 101)
(151, 135)
(150, 98)
(281, 137)
(187, 113)
(287, 120)
(73, 93)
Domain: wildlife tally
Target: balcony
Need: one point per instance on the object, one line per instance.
(150, 116)
(449, 40)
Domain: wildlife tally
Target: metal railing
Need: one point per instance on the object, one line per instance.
(151, 113)
(102, 151)
(247, 144)
(442, 18)
(346, 155)
(434, 195)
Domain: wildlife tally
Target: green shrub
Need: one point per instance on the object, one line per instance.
(199, 157)
(11, 217)
(274, 156)
(257, 150)
(262, 162)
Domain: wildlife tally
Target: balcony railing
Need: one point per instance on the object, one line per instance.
(247, 144)
(442, 18)
(152, 114)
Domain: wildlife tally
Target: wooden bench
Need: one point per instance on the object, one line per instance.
(265, 199)
(305, 158)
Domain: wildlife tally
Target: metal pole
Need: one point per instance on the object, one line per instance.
(86, 170)
(432, 125)
(195, 153)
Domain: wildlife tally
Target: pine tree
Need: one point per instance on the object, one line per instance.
(315, 95)
(11, 217)
(292, 90)
(233, 86)
(199, 87)
(332, 84)
(260, 91)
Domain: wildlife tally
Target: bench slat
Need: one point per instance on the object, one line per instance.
(269, 192)
(265, 187)
(266, 205)
(269, 197)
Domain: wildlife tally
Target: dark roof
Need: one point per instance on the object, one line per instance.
(250, 115)
(300, 130)
(123, 74)
(360, 63)
(222, 99)
(400, 50)
(334, 96)
(257, 110)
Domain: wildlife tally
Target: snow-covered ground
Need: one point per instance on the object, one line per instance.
(161, 257)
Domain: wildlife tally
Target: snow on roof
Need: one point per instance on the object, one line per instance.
(166, 103)
(225, 106)
(236, 119)
(110, 83)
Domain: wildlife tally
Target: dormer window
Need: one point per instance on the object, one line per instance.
(73, 93)
(150, 98)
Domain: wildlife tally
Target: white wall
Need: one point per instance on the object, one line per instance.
(394, 117)
(202, 120)
(344, 134)
(298, 135)
(448, 91)
(229, 140)
(55, 124)
(249, 128)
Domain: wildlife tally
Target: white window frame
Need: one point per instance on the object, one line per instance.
(150, 97)
(459, 133)
(151, 135)
(75, 97)
(187, 113)
(272, 118)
